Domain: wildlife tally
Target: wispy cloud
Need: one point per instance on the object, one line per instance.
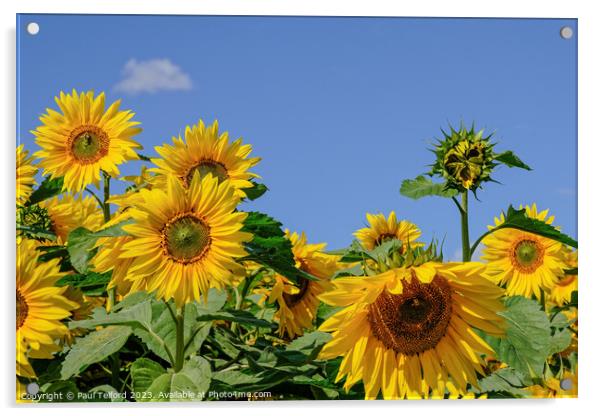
(152, 76)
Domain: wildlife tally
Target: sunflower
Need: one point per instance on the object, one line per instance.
(297, 306)
(26, 173)
(83, 311)
(185, 240)
(567, 386)
(410, 331)
(83, 139)
(523, 262)
(61, 215)
(40, 307)
(561, 293)
(206, 151)
(382, 229)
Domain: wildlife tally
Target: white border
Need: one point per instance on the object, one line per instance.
(590, 68)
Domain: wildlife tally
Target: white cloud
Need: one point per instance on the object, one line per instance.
(152, 76)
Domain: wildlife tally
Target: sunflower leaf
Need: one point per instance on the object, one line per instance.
(256, 191)
(93, 348)
(242, 317)
(504, 380)
(47, 189)
(152, 383)
(423, 186)
(519, 219)
(509, 159)
(91, 283)
(270, 247)
(528, 340)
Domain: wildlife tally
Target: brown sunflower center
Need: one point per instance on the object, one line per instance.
(205, 167)
(527, 255)
(292, 300)
(22, 309)
(88, 144)
(414, 321)
(186, 238)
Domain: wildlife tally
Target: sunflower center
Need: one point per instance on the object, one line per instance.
(22, 309)
(527, 255)
(88, 144)
(205, 167)
(292, 300)
(414, 321)
(186, 238)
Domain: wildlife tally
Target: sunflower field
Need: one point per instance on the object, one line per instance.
(173, 291)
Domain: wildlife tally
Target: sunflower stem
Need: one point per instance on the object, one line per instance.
(542, 299)
(179, 339)
(466, 252)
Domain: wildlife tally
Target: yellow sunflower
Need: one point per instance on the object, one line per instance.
(382, 229)
(83, 139)
(565, 387)
(408, 332)
(561, 292)
(26, 173)
(186, 240)
(524, 263)
(297, 306)
(204, 150)
(40, 307)
(61, 215)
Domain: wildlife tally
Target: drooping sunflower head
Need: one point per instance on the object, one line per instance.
(409, 332)
(206, 151)
(298, 304)
(522, 262)
(464, 158)
(60, 215)
(40, 307)
(383, 229)
(84, 138)
(185, 240)
(26, 173)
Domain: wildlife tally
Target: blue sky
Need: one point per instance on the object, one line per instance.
(340, 109)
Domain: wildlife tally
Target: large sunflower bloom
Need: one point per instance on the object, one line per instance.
(298, 306)
(382, 229)
(204, 150)
(40, 307)
(186, 240)
(409, 331)
(523, 262)
(562, 291)
(26, 173)
(83, 139)
(61, 215)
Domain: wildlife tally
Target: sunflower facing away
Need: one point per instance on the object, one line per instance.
(524, 263)
(83, 139)
(382, 229)
(26, 173)
(40, 307)
(186, 240)
(61, 215)
(297, 306)
(204, 150)
(409, 332)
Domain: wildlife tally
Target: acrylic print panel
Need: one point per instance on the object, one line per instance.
(386, 209)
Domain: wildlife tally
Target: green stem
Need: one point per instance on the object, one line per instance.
(115, 367)
(466, 254)
(179, 339)
(542, 299)
(106, 210)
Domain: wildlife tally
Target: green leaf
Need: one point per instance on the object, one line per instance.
(423, 186)
(509, 159)
(254, 192)
(63, 391)
(33, 232)
(138, 316)
(505, 380)
(91, 283)
(527, 342)
(309, 345)
(47, 189)
(519, 219)
(198, 370)
(93, 348)
(105, 393)
(81, 242)
(144, 371)
(270, 247)
(242, 317)
(561, 340)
